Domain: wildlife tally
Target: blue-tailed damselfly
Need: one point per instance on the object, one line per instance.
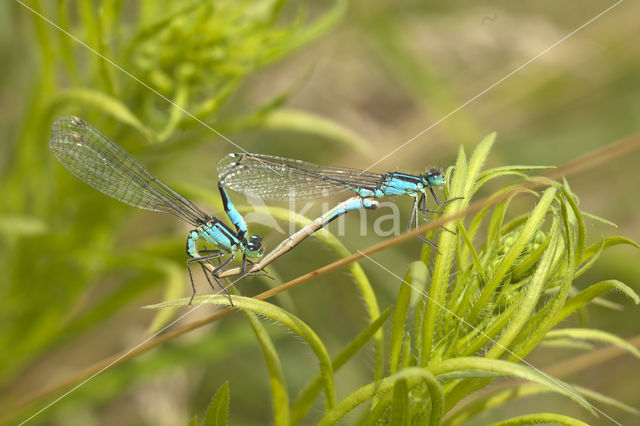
(101, 163)
(277, 178)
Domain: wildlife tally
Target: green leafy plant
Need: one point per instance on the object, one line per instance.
(497, 289)
(76, 266)
(112, 63)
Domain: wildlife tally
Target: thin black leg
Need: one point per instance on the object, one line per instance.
(222, 265)
(199, 260)
(209, 251)
(425, 210)
(243, 264)
(193, 286)
(262, 274)
(212, 252)
(206, 274)
(428, 242)
(419, 204)
(435, 197)
(437, 200)
(215, 271)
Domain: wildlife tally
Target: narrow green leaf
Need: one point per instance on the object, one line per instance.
(526, 233)
(418, 318)
(102, 48)
(593, 335)
(529, 301)
(493, 399)
(65, 42)
(277, 314)
(496, 172)
(102, 102)
(176, 113)
(490, 332)
(218, 411)
(592, 253)
(541, 418)
(476, 162)
(581, 242)
(600, 398)
(566, 344)
(590, 259)
(546, 318)
(522, 268)
(444, 259)
(310, 123)
(274, 366)
(494, 232)
(400, 408)
(468, 245)
(606, 243)
(416, 277)
(470, 367)
(599, 219)
(593, 291)
(307, 396)
(501, 397)
(89, 18)
(516, 222)
(413, 376)
(407, 360)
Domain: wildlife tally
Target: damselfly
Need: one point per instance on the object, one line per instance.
(101, 163)
(277, 178)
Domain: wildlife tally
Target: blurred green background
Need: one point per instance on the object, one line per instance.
(334, 83)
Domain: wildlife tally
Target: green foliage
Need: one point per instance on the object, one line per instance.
(218, 410)
(67, 264)
(74, 262)
(195, 54)
(508, 289)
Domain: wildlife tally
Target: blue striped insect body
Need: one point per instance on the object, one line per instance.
(358, 204)
(277, 178)
(101, 163)
(354, 203)
(396, 183)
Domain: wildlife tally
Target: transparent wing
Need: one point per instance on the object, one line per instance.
(101, 163)
(277, 178)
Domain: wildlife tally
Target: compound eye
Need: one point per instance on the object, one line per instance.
(255, 243)
(435, 177)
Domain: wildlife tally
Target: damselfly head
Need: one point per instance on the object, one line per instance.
(434, 178)
(254, 247)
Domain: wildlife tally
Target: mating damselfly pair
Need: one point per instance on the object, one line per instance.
(101, 163)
